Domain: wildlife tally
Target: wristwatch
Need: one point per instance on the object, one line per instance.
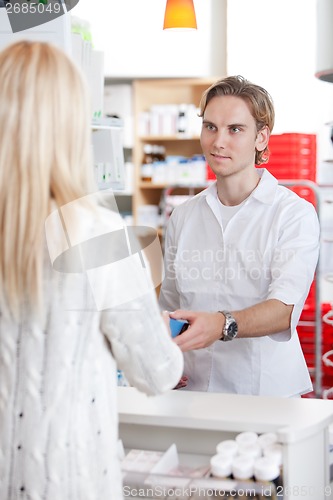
(230, 328)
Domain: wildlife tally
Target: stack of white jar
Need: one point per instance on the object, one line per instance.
(248, 456)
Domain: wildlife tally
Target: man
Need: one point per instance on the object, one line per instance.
(243, 253)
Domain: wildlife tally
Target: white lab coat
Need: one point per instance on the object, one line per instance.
(268, 250)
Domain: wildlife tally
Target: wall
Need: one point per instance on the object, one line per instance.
(273, 43)
(135, 45)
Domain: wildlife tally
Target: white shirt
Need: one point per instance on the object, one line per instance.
(58, 396)
(227, 212)
(268, 250)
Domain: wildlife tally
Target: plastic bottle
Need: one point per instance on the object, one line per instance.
(162, 153)
(156, 153)
(198, 170)
(182, 125)
(147, 163)
(159, 175)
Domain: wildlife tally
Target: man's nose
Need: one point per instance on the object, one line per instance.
(220, 139)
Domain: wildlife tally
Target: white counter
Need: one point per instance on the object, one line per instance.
(197, 421)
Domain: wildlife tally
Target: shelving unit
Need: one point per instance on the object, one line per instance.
(149, 93)
(108, 153)
(196, 422)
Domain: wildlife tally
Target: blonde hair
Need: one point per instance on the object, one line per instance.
(45, 155)
(259, 100)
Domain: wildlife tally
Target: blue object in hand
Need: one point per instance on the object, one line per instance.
(178, 326)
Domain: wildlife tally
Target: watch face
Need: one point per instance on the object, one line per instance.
(232, 329)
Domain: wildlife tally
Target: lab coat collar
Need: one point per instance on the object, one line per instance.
(264, 192)
(266, 189)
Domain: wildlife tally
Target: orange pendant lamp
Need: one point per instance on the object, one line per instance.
(179, 14)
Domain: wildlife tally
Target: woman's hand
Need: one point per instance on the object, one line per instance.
(182, 383)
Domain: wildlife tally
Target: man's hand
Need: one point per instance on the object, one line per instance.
(205, 328)
(266, 318)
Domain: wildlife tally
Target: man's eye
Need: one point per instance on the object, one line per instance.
(235, 129)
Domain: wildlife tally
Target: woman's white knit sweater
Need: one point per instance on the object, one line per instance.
(58, 378)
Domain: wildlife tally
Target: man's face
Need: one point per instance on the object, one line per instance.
(229, 136)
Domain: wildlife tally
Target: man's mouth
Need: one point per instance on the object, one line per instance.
(217, 155)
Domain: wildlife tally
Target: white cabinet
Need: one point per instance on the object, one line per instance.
(130, 33)
(197, 422)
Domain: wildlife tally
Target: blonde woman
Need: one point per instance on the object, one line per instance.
(64, 328)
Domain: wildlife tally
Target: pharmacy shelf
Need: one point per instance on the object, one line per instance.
(154, 92)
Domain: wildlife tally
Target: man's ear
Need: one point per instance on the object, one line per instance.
(262, 138)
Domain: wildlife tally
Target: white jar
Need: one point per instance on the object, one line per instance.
(266, 469)
(274, 451)
(220, 465)
(227, 447)
(250, 450)
(247, 437)
(267, 439)
(242, 467)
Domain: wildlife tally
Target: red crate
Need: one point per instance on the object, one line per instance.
(326, 383)
(293, 156)
(210, 176)
(327, 371)
(293, 140)
(302, 169)
(309, 309)
(305, 192)
(310, 302)
(307, 335)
